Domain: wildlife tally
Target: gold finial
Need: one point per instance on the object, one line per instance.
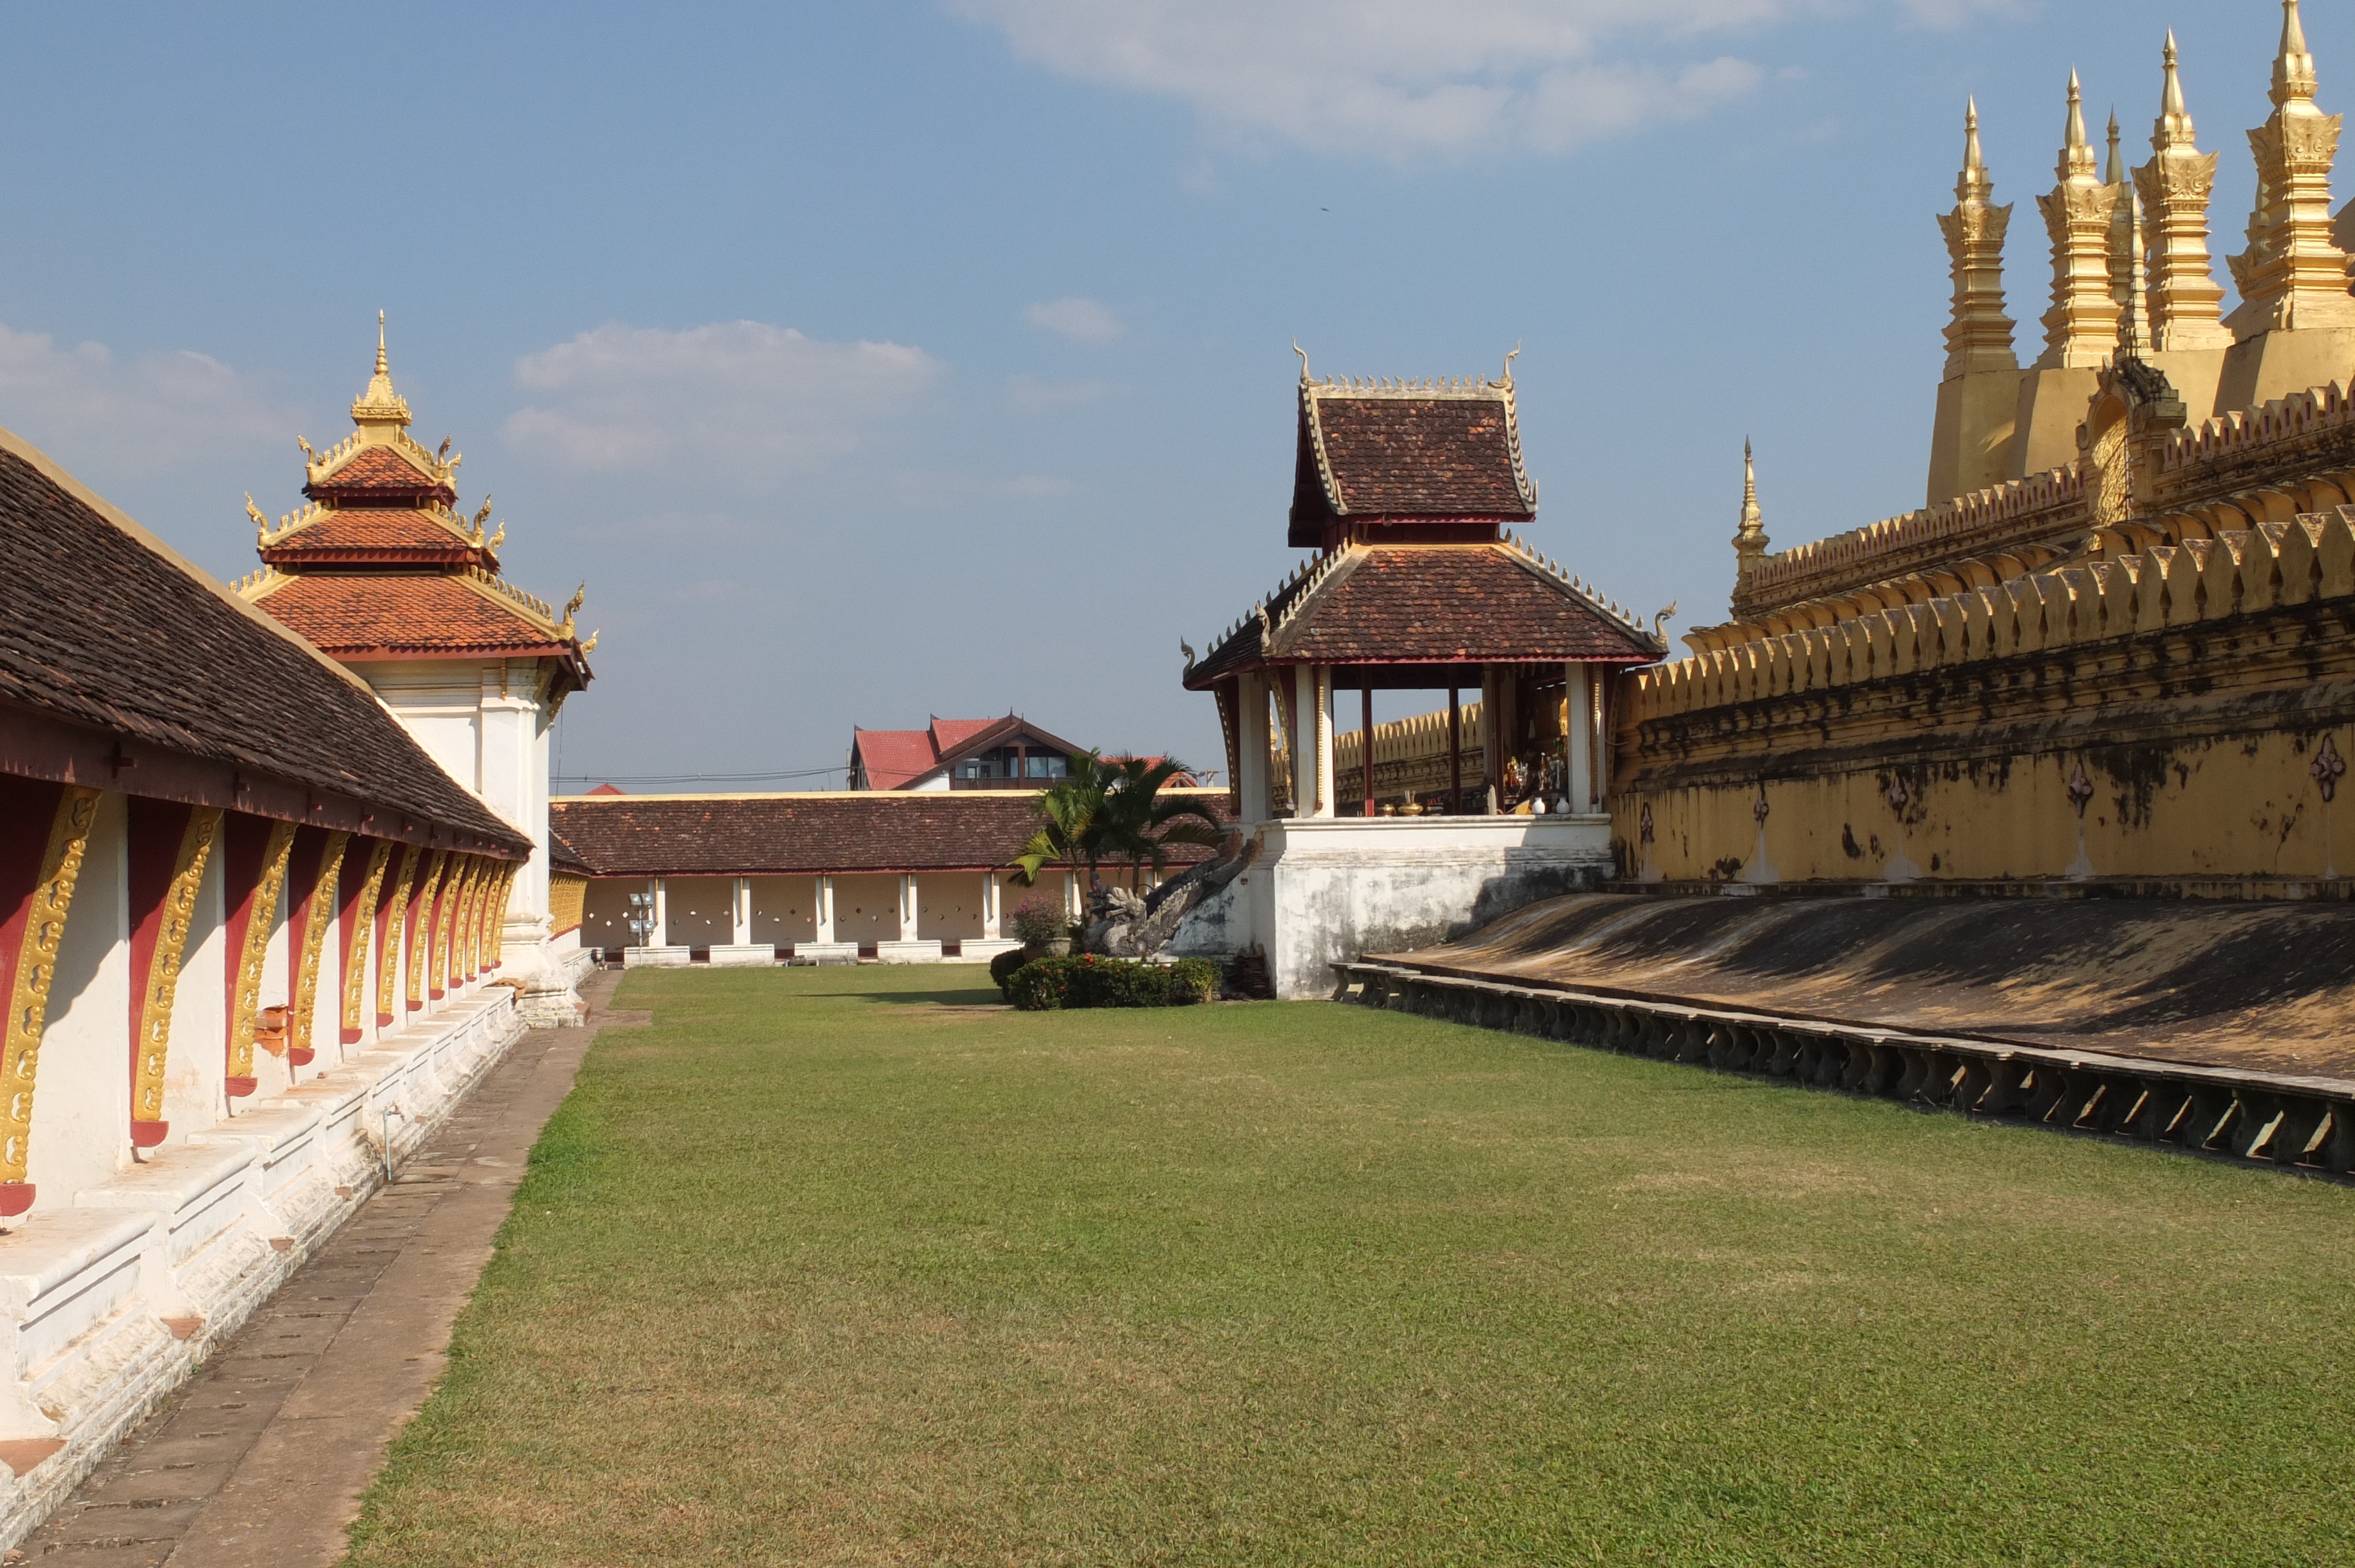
(380, 411)
(308, 454)
(501, 537)
(2115, 174)
(2294, 78)
(1508, 378)
(482, 516)
(572, 608)
(591, 645)
(1304, 360)
(445, 454)
(260, 523)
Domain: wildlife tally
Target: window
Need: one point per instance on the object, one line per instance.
(1043, 767)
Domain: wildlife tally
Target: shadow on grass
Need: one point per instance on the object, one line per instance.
(962, 998)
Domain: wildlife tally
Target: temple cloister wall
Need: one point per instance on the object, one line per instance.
(2174, 718)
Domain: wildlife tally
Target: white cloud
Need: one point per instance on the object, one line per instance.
(1398, 78)
(738, 400)
(1082, 321)
(141, 413)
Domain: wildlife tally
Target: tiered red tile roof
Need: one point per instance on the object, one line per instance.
(379, 568)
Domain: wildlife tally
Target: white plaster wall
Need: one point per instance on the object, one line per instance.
(81, 1101)
(948, 905)
(867, 908)
(1326, 890)
(784, 909)
(695, 912)
(605, 911)
(271, 1075)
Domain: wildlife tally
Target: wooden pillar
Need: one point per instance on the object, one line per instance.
(1366, 734)
(1455, 752)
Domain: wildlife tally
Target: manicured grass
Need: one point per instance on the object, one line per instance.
(833, 1266)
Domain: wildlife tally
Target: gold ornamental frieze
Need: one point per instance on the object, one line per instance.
(355, 962)
(314, 933)
(396, 928)
(261, 916)
(421, 939)
(28, 1001)
(162, 990)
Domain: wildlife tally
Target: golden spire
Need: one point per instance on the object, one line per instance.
(2292, 276)
(1978, 332)
(2115, 172)
(2082, 327)
(380, 411)
(1750, 539)
(2126, 251)
(2182, 295)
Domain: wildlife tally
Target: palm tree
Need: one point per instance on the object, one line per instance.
(1070, 832)
(1137, 822)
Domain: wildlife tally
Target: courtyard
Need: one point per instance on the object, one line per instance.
(848, 1266)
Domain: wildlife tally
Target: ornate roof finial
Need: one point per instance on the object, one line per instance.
(1978, 332)
(1508, 377)
(1304, 360)
(2077, 152)
(2174, 127)
(1750, 538)
(380, 412)
(2294, 78)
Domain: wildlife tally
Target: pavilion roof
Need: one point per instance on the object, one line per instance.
(1407, 450)
(1482, 603)
(107, 631)
(835, 831)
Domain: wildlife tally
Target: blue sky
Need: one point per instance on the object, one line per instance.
(901, 358)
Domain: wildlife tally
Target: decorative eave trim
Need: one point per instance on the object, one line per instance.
(320, 468)
(1548, 571)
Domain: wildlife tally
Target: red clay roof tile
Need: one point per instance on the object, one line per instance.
(356, 614)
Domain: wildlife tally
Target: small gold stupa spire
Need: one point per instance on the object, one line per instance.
(2292, 275)
(2183, 296)
(380, 411)
(1750, 539)
(1978, 332)
(2081, 330)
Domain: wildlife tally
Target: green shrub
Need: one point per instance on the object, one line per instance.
(1037, 919)
(1192, 981)
(1002, 968)
(1043, 985)
(1091, 979)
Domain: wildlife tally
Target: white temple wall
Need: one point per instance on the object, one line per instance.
(81, 1110)
(697, 911)
(867, 908)
(784, 909)
(1326, 890)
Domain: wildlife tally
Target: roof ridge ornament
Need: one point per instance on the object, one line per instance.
(380, 412)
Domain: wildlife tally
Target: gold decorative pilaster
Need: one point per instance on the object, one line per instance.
(2082, 327)
(421, 940)
(36, 963)
(356, 964)
(499, 915)
(388, 980)
(260, 918)
(162, 978)
(2292, 276)
(1978, 332)
(2181, 285)
(314, 933)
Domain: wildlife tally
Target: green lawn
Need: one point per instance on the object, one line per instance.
(837, 1267)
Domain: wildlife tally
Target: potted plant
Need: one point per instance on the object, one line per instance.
(1040, 925)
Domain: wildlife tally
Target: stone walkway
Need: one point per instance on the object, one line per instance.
(261, 1458)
